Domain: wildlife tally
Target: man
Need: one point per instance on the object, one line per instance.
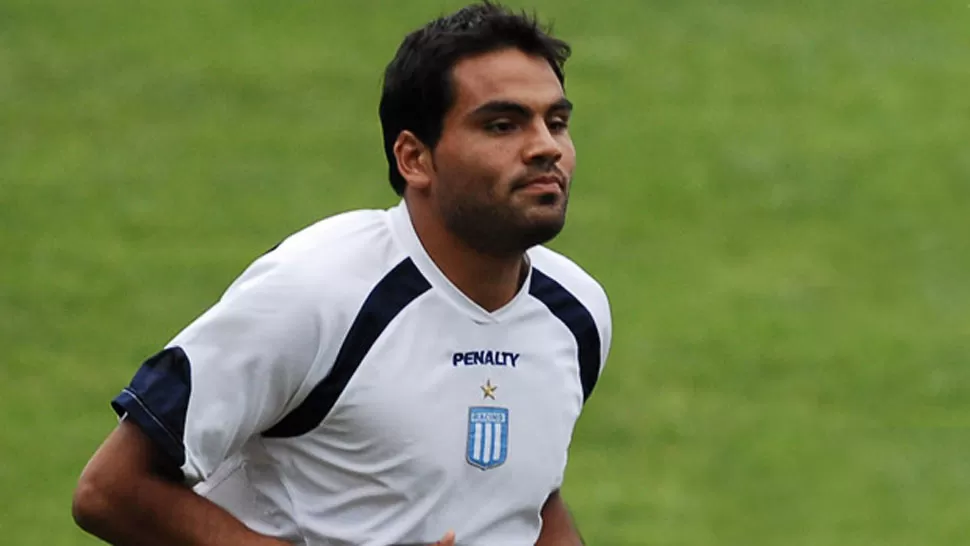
(387, 377)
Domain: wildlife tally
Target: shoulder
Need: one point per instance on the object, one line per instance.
(575, 280)
(341, 239)
(334, 259)
(580, 302)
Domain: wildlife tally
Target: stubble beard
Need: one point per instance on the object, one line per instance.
(500, 229)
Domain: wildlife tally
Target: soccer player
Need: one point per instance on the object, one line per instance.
(383, 377)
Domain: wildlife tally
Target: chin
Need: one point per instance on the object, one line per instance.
(543, 226)
(548, 210)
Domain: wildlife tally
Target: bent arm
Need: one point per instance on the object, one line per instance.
(126, 497)
(558, 528)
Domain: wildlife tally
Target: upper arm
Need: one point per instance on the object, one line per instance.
(558, 528)
(126, 454)
(122, 462)
(230, 374)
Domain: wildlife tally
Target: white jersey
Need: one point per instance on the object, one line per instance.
(344, 392)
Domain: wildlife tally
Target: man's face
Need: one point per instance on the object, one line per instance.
(505, 160)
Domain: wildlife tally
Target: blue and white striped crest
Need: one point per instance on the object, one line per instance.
(488, 436)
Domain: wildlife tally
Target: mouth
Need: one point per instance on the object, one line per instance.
(542, 185)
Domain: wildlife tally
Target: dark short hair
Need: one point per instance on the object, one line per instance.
(418, 89)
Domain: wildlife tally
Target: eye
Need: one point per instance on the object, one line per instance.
(558, 125)
(500, 127)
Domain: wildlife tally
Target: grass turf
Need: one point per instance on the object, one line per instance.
(774, 195)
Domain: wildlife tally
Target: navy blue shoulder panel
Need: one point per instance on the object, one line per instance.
(401, 286)
(157, 400)
(578, 319)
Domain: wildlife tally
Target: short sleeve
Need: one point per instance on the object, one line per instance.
(230, 374)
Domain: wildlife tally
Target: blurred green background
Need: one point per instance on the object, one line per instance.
(774, 193)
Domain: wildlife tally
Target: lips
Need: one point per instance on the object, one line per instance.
(542, 184)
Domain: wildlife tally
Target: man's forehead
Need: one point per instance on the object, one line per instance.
(508, 75)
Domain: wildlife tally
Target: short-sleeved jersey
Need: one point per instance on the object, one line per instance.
(343, 392)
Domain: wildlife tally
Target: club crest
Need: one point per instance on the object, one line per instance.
(488, 437)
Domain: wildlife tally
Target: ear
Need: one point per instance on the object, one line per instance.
(414, 160)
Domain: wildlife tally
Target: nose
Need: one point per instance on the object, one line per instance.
(542, 149)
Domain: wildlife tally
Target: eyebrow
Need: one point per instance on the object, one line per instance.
(511, 107)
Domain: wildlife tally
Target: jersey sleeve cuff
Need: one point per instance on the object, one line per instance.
(129, 406)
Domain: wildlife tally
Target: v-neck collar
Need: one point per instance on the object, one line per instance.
(407, 237)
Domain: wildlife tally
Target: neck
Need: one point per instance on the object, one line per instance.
(489, 281)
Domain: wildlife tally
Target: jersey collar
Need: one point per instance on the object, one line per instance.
(406, 236)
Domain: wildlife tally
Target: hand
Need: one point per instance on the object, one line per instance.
(447, 540)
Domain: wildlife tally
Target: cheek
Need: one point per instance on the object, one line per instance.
(459, 153)
(464, 175)
(568, 161)
(478, 167)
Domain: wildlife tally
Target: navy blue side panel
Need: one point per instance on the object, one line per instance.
(578, 319)
(157, 400)
(401, 286)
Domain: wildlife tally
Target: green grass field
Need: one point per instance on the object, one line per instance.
(775, 194)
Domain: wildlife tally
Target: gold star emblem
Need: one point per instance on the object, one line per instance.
(489, 390)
